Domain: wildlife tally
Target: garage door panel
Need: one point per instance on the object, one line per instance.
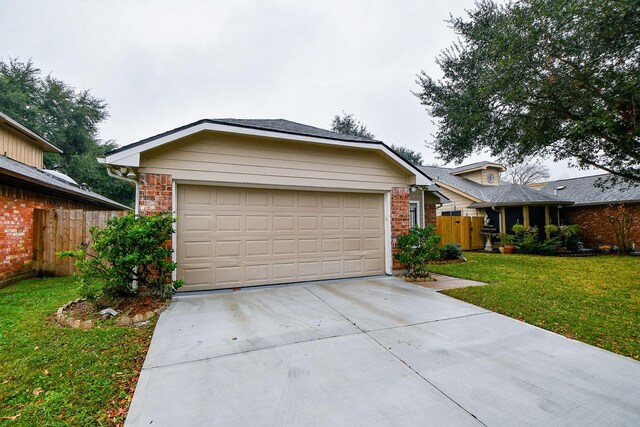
(245, 237)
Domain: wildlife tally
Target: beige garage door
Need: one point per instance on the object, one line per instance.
(231, 237)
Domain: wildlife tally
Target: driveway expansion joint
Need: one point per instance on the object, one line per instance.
(402, 361)
(253, 350)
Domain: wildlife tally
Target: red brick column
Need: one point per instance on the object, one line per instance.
(399, 217)
(155, 193)
(430, 214)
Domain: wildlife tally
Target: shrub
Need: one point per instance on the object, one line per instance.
(562, 235)
(417, 248)
(90, 289)
(526, 238)
(450, 251)
(132, 247)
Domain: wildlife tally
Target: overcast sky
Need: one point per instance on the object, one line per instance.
(163, 64)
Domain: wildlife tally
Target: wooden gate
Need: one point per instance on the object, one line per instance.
(464, 230)
(56, 230)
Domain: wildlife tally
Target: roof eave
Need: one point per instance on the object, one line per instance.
(512, 204)
(74, 194)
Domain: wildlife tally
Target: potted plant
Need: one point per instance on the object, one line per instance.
(507, 243)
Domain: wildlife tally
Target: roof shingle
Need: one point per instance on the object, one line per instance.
(583, 191)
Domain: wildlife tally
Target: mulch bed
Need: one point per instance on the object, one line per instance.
(130, 309)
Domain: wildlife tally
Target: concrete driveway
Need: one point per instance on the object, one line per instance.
(374, 351)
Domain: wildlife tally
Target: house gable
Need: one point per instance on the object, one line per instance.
(21, 144)
(243, 159)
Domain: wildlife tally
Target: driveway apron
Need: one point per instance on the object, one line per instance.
(372, 351)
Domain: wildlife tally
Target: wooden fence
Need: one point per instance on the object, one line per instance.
(56, 230)
(464, 230)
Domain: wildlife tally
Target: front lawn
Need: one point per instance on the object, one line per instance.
(52, 375)
(591, 299)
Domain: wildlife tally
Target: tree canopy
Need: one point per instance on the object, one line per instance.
(408, 154)
(66, 117)
(526, 173)
(554, 78)
(348, 125)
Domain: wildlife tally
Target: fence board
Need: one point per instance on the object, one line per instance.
(57, 230)
(463, 230)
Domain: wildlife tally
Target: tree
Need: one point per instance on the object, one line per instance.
(553, 78)
(347, 125)
(526, 173)
(408, 154)
(66, 117)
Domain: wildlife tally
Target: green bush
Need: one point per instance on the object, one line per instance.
(90, 289)
(132, 247)
(450, 251)
(526, 238)
(417, 248)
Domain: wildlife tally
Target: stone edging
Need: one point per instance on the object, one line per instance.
(122, 320)
(65, 320)
(125, 320)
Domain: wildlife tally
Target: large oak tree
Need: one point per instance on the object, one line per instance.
(553, 78)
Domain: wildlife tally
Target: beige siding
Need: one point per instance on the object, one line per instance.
(482, 176)
(496, 175)
(19, 147)
(231, 237)
(457, 202)
(476, 176)
(223, 158)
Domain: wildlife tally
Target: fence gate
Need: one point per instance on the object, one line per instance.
(56, 230)
(464, 230)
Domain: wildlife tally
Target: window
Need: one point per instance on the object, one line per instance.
(414, 217)
(452, 213)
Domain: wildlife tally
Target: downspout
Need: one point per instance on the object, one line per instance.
(120, 175)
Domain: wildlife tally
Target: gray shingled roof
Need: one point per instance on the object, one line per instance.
(583, 191)
(287, 126)
(492, 195)
(36, 176)
(471, 166)
(276, 125)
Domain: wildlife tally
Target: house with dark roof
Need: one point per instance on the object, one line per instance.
(274, 201)
(24, 186)
(589, 204)
(476, 190)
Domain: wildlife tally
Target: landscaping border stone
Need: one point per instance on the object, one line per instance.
(123, 320)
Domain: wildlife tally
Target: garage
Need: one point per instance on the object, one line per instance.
(269, 201)
(233, 237)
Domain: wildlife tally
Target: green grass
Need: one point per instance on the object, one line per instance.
(592, 299)
(54, 376)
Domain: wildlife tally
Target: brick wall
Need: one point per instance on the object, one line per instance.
(594, 225)
(399, 217)
(16, 227)
(429, 214)
(155, 193)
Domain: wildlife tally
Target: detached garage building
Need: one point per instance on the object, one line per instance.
(271, 201)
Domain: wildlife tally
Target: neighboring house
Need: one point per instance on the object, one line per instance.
(590, 202)
(273, 201)
(25, 186)
(476, 190)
